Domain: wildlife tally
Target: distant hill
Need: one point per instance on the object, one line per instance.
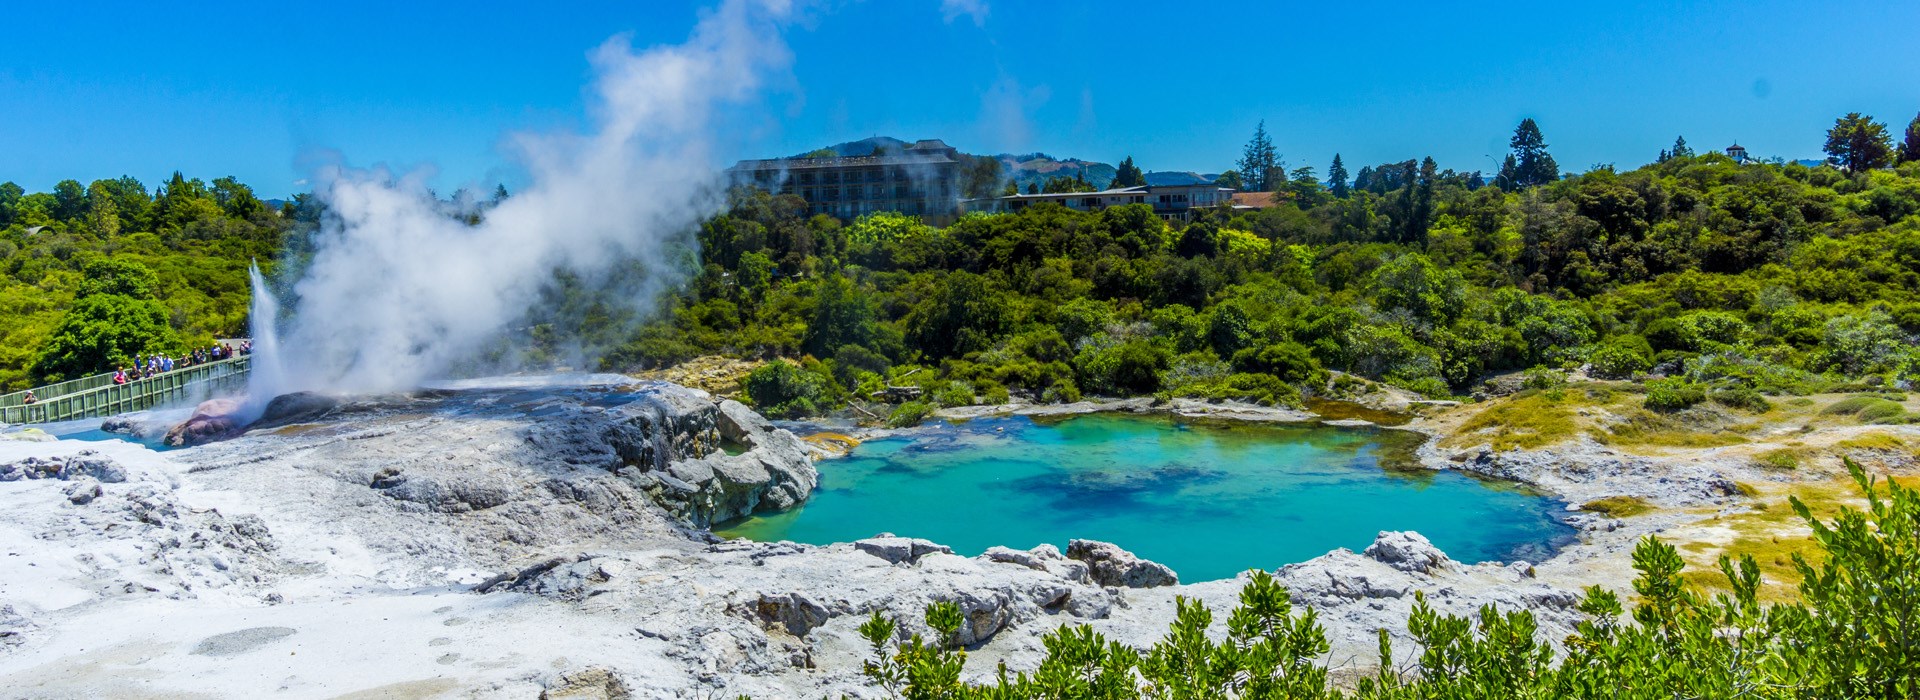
(1170, 177)
(1036, 168)
(863, 147)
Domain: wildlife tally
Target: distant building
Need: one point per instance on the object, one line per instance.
(1170, 202)
(1738, 153)
(922, 179)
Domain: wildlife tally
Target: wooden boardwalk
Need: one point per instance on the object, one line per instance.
(98, 396)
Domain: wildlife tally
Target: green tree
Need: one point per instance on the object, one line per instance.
(131, 201)
(1128, 174)
(69, 200)
(1421, 184)
(1059, 184)
(114, 276)
(236, 199)
(1858, 143)
(980, 176)
(965, 313)
(1413, 284)
(183, 201)
(103, 216)
(10, 195)
(99, 333)
(1679, 150)
(1337, 177)
(1230, 179)
(842, 315)
(114, 319)
(1258, 161)
(1910, 146)
(1529, 164)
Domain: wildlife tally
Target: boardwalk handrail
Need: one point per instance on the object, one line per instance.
(136, 395)
(58, 389)
(72, 386)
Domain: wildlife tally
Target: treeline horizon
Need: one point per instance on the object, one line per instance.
(1738, 279)
(1573, 237)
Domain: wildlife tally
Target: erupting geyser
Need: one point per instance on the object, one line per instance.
(399, 290)
(266, 378)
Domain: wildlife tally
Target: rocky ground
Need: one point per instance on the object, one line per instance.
(513, 541)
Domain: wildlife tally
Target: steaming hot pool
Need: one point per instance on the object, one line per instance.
(1208, 499)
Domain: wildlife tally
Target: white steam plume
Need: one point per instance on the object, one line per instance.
(397, 292)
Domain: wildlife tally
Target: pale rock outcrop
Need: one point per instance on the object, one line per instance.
(87, 464)
(900, 550)
(1109, 565)
(1045, 557)
(83, 491)
(1407, 551)
(591, 683)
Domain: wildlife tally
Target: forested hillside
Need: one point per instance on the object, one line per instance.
(91, 275)
(1735, 278)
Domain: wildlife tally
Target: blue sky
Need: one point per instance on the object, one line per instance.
(92, 90)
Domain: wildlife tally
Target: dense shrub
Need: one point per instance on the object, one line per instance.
(1290, 362)
(1129, 368)
(1262, 389)
(782, 389)
(1869, 409)
(909, 414)
(1669, 395)
(1542, 378)
(1621, 357)
(1741, 397)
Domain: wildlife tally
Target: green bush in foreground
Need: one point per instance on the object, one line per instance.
(909, 414)
(1855, 633)
(1668, 395)
(1869, 409)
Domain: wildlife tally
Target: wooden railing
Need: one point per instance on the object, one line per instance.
(93, 401)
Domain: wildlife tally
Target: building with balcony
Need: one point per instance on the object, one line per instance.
(922, 179)
(1170, 202)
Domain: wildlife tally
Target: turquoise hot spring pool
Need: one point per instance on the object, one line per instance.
(1208, 499)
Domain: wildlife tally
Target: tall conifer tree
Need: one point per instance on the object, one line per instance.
(1910, 148)
(1258, 162)
(1529, 164)
(1337, 177)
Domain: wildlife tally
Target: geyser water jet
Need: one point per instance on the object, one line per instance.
(266, 377)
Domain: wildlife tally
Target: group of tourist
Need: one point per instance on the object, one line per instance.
(148, 366)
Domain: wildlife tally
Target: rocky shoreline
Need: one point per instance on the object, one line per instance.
(515, 541)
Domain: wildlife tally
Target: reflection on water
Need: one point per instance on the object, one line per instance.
(1208, 499)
